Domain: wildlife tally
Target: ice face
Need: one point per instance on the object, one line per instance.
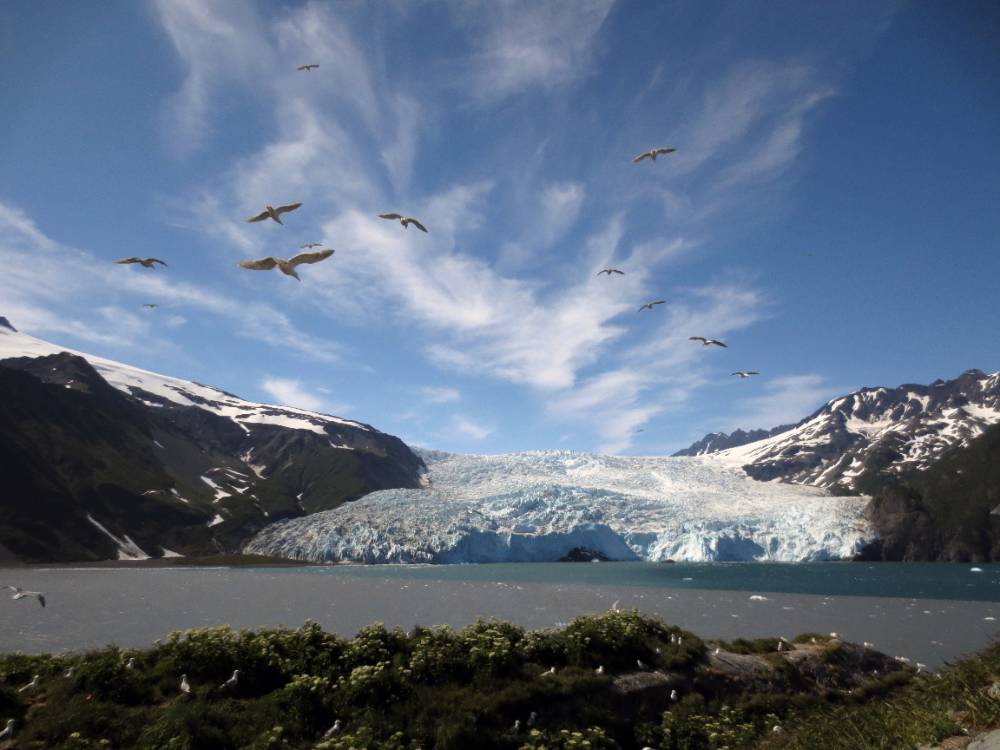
(538, 506)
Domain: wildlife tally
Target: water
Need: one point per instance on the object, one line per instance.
(929, 613)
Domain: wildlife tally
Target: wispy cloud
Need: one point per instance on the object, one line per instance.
(290, 392)
(440, 395)
(469, 428)
(785, 400)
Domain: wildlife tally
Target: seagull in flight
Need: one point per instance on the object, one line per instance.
(310, 245)
(20, 593)
(610, 271)
(287, 267)
(404, 220)
(707, 342)
(270, 212)
(744, 374)
(309, 66)
(144, 262)
(149, 305)
(653, 153)
(649, 305)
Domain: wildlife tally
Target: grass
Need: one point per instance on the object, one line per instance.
(451, 690)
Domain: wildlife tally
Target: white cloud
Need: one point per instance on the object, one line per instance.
(438, 395)
(524, 44)
(561, 204)
(470, 428)
(289, 392)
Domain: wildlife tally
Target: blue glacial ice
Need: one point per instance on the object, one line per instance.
(537, 506)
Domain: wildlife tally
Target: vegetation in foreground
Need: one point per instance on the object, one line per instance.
(619, 680)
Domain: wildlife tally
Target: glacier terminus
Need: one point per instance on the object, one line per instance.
(538, 506)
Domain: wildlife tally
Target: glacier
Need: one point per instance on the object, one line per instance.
(537, 506)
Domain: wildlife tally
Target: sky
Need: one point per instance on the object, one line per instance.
(832, 211)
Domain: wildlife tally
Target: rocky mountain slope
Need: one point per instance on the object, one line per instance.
(101, 460)
(950, 511)
(875, 431)
(714, 442)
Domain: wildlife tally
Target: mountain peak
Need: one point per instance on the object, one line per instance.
(4, 323)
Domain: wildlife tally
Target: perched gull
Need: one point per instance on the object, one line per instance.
(8, 731)
(149, 305)
(641, 664)
(69, 672)
(653, 153)
(333, 731)
(144, 262)
(130, 664)
(610, 271)
(673, 695)
(531, 719)
(600, 669)
(31, 685)
(310, 245)
(718, 650)
(614, 606)
(517, 726)
(706, 342)
(551, 671)
(776, 729)
(20, 593)
(649, 305)
(185, 685)
(404, 220)
(309, 66)
(744, 374)
(270, 212)
(231, 682)
(781, 646)
(287, 267)
(834, 635)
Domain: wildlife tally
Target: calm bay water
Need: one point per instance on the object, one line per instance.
(929, 613)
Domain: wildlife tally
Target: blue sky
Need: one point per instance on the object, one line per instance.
(831, 210)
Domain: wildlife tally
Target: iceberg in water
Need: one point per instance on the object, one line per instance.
(537, 506)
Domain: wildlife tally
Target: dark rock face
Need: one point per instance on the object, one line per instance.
(944, 512)
(583, 554)
(77, 454)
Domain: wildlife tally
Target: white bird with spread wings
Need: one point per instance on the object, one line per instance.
(287, 267)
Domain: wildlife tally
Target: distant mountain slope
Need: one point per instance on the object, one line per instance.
(950, 511)
(98, 459)
(888, 430)
(714, 442)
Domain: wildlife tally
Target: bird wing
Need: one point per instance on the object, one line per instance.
(640, 157)
(615, 270)
(390, 216)
(133, 259)
(285, 209)
(658, 302)
(310, 257)
(261, 264)
(665, 150)
(696, 338)
(717, 343)
(156, 260)
(606, 270)
(752, 372)
(259, 217)
(417, 224)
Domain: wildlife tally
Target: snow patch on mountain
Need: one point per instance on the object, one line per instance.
(150, 386)
(127, 549)
(538, 506)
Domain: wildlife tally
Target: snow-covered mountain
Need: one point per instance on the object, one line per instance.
(891, 430)
(101, 459)
(541, 505)
(714, 442)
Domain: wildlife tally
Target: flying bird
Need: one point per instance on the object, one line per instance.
(404, 220)
(310, 66)
(649, 305)
(310, 245)
(8, 731)
(149, 305)
(270, 212)
(31, 685)
(706, 342)
(653, 153)
(744, 374)
(610, 271)
(144, 262)
(20, 593)
(287, 267)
